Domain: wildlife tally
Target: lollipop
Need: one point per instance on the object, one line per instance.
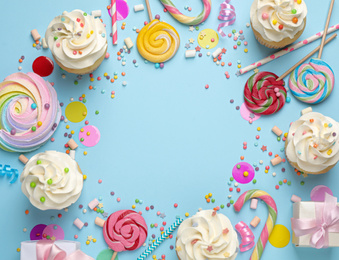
(313, 82)
(170, 7)
(157, 41)
(124, 230)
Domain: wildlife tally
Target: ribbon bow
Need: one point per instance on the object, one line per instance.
(47, 250)
(326, 221)
(227, 15)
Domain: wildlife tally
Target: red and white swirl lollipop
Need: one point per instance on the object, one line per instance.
(124, 230)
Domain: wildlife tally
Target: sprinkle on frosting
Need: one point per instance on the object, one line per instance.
(47, 185)
(204, 236)
(312, 146)
(76, 40)
(20, 130)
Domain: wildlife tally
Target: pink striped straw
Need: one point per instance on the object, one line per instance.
(114, 22)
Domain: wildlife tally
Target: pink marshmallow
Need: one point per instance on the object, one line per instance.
(78, 223)
(93, 204)
(254, 203)
(295, 198)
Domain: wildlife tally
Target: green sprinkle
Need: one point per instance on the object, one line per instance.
(48, 237)
(49, 181)
(33, 128)
(102, 211)
(279, 138)
(76, 82)
(213, 200)
(152, 225)
(55, 38)
(254, 181)
(238, 166)
(289, 183)
(98, 210)
(197, 28)
(66, 170)
(222, 206)
(234, 31)
(294, 11)
(38, 162)
(136, 201)
(84, 100)
(42, 199)
(231, 179)
(239, 43)
(280, 182)
(85, 14)
(97, 112)
(82, 139)
(33, 184)
(231, 201)
(302, 183)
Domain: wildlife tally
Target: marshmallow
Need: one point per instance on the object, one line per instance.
(275, 161)
(306, 110)
(295, 198)
(254, 203)
(93, 204)
(72, 154)
(72, 144)
(36, 36)
(44, 43)
(138, 8)
(99, 222)
(128, 42)
(277, 131)
(23, 159)
(96, 13)
(190, 53)
(255, 221)
(78, 223)
(216, 52)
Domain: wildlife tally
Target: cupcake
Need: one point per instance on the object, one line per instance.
(312, 143)
(29, 112)
(207, 235)
(278, 23)
(52, 180)
(78, 41)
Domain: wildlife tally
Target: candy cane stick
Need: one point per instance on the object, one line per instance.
(287, 50)
(187, 19)
(114, 22)
(269, 225)
(160, 239)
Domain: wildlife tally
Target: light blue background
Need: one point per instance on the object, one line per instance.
(165, 139)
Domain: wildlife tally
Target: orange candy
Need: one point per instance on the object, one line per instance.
(122, 27)
(311, 120)
(20, 60)
(223, 64)
(90, 87)
(26, 211)
(208, 200)
(242, 157)
(137, 30)
(295, 20)
(118, 53)
(123, 73)
(67, 151)
(112, 80)
(108, 7)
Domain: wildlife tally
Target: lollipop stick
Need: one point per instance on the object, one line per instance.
(114, 22)
(305, 58)
(326, 27)
(114, 255)
(149, 11)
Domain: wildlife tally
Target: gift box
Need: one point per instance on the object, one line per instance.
(316, 224)
(33, 250)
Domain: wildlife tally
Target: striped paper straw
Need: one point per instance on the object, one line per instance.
(114, 22)
(286, 50)
(160, 239)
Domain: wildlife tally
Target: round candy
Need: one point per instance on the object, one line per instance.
(318, 193)
(53, 232)
(125, 230)
(312, 82)
(43, 66)
(37, 231)
(243, 172)
(158, 41)
(260, 96)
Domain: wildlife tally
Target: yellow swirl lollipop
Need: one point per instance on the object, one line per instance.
(158, 41)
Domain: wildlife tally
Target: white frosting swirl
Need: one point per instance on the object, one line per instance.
(52, 180)
(76, 39)
(264, 12)
(312, 142)
(207, 235)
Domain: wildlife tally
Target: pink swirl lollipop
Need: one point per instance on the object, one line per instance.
(124, 230)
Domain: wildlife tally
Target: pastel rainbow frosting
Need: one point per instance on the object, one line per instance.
(312, 82)
(125, 230)
(158, 41)
(263, 94)
(29, 110)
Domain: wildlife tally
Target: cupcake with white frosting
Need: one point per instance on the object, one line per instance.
(312, 143)
(278, 23)
(78, 41)
(52, 180)
(207, 236)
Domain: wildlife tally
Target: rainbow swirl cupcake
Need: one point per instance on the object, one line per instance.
(30, 112)
(312, 82)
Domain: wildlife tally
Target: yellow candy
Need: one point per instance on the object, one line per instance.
(82, 130)
(39, 123)
(325, 125)
(299, 2)
(87, 242)
(112, 96)
(133, 206)
(67, 126)
(152, 43)
(92, 79)
(187, 214)
(88, 35)
(209, 194)
(85, 177)
(329, 151)
(274, 22)
(72, 132)
(94, 240)
(246, 50)
(245, 174)
(239, 66)
(115, 77)
(85, 153)
(258, 128)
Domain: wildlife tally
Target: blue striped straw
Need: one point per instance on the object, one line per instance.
(160, 239)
